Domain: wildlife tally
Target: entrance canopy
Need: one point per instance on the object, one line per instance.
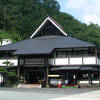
(86, 68)
(66, 68)
(89, 68)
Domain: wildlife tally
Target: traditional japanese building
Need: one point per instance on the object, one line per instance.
(51, 54)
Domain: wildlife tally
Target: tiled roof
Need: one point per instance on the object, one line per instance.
(45, 45)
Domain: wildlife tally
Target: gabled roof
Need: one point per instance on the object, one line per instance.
(59, 27)
(45, 45)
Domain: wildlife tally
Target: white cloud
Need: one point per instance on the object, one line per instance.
(89, 9)
(91, 18)
(76, 4)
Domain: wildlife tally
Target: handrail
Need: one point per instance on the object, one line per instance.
(68, 56)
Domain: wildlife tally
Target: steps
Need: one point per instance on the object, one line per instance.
(29, 86)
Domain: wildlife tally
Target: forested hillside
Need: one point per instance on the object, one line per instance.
(20, 18)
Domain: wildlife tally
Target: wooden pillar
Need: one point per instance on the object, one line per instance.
(24, 70)
(96, 55)
(76, 78)
(24, 75)
(18, 70)
(54, 57)
(90, 77)
(67, 77)
(99, 77)
(47, 81)
(47, 73)
(68, 60)
(82, 61)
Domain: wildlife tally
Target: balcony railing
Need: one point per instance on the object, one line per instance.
(73, 60)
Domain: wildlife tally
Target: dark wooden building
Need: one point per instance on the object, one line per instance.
(51, 54)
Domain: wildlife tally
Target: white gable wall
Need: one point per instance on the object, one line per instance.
(44, 22)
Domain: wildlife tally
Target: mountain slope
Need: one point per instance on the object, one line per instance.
(23, 17)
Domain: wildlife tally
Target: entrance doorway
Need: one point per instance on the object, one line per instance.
(70, 78)
(34, 77)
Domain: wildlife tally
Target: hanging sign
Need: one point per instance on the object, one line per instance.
(34, 61)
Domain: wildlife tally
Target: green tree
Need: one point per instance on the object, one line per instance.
(22, 18)
(8, 63)
(10, 77)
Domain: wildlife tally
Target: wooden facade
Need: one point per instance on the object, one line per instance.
(51, 55)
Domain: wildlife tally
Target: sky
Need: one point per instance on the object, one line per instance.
(86, 11)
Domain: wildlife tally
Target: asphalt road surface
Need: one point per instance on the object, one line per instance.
(47, 93)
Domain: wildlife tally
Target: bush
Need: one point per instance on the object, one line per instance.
(13, 78)
(10, 76)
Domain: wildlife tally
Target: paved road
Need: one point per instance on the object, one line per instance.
(94, 95)
(61, 91)
(12, 95)
(41, 94)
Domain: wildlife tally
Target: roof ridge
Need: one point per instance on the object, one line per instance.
(56, 22)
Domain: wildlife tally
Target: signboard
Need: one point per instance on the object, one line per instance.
(34, 61)
(53, 81)
(66, 82)
(53, 75)
(59, 83)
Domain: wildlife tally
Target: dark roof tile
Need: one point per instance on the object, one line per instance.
(45, 45)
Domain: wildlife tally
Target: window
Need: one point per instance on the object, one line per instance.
(34, 61)
(71, 53)
(61, 54)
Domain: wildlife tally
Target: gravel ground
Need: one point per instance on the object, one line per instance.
(44, 93)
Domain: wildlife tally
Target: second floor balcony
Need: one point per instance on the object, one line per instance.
(75, 60)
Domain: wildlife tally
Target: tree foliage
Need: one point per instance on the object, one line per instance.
(20, 18)
(10, 77)
(13, 36)
(7, 63)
